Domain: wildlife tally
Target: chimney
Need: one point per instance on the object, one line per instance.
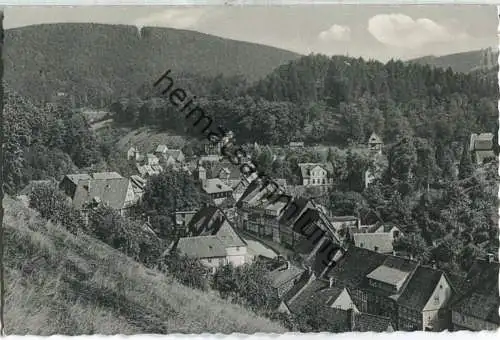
(491, 257)
(393, 253)
(148, 219)
(330, 282)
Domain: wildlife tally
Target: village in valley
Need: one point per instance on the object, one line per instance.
(199, 170)
(369, 286)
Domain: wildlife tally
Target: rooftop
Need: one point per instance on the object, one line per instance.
(215, 185)
(201, 247)
(280, 275)
(381, 242)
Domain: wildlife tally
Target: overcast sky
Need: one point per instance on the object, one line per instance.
(380, 32)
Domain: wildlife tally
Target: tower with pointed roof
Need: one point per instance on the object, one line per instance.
(375, 143)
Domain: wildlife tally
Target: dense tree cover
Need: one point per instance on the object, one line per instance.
(52, 204)
(126, 235)
(97, 63)
(188, 271)
(104, 224)
(166, 193)
(438, 214)
(340, 100)
(45, 142)
(247, 285)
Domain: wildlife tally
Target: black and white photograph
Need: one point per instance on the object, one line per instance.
(249, 169)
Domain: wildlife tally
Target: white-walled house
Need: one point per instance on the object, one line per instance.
(316, 174)
(213, 240)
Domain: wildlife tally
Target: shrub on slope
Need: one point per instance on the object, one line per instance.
(59, 283)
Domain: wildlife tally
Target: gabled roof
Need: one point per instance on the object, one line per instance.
(228, 235)
(355, 265)
(161, 148)
(201, 247)
(294, 210)
(215, 185)
(75, 178)
(279, 276)
(232, 170)
(175, 154)
(112, 192)
(205, 219)
(106, 175)
(374, 139)
(138, 181)
(309, 295)
(344, 219)
(480, 297)
(482, 141)
(381, 242)
(305, 168)
(394, 271)
(303, 280)
(420, 288)
(211, 221)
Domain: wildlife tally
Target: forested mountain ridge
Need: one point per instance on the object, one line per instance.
(97, 63)
(335, 100)
(465, 62)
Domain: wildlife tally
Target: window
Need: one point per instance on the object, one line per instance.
(209, 260)
(237, 248)
(440, 286)
(436, 300)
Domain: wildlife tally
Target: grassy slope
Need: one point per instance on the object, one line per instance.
(113, 59)
(147, 139)
(80, 286)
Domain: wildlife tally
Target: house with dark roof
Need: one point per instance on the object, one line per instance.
(213, 240)
(285, 277)
(70, 182)
(476, 306)
(170, 157)
(260, 206)
(108, 188)
(316, 174)
(138, 185)
(216, 189)
(415, 297)
(318, 291)
(227, 172)
(182, 220)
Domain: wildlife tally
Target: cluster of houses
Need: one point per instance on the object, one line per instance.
(322, 174)
(150, 164)
(363, 287)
